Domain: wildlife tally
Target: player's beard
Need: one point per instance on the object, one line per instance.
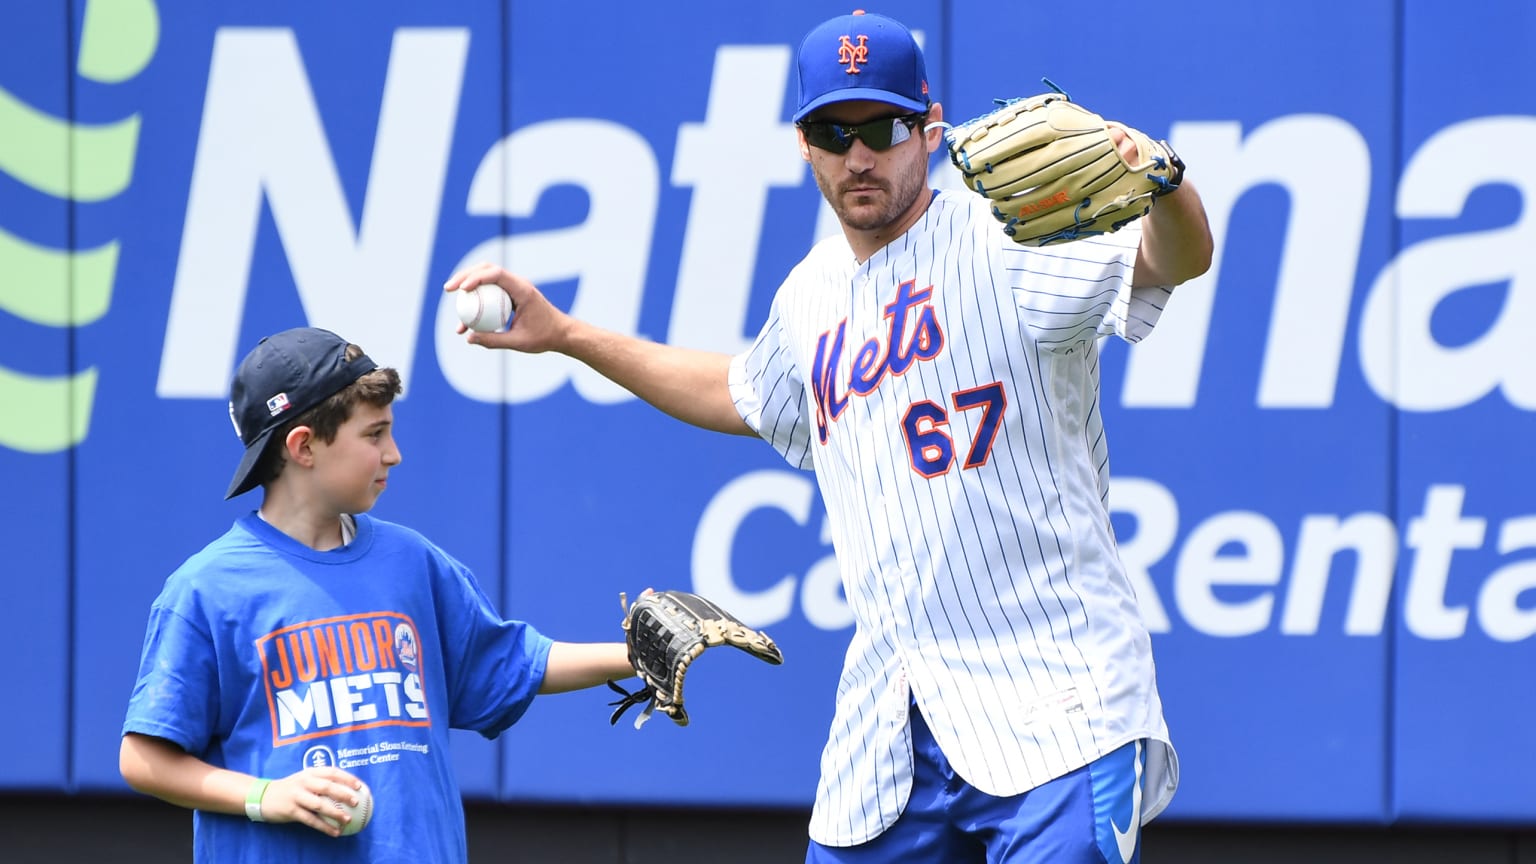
(872, 211)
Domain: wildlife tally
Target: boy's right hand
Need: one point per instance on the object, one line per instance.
(301, 797)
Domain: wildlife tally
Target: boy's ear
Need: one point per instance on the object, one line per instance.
(298, 448)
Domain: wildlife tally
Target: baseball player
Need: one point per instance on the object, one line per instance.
(998, 702)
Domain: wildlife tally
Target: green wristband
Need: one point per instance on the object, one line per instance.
(253, 798)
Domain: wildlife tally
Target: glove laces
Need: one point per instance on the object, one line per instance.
(630, 699)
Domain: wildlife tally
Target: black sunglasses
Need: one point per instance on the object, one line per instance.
(879, 134)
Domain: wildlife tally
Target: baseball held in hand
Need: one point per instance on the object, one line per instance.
(485, 308)
(361, 814)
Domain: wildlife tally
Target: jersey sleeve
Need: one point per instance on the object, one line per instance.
(1080, 290)
(495, 665)
(176, 694)
(769, 392)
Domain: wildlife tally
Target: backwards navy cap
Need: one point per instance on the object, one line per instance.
(861, 56)
(285, 375)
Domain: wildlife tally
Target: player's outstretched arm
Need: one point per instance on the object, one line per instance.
(1176, 244)
(692, 386)
(158, 767)
(579, 665)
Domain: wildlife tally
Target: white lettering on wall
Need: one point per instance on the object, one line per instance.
(1231, 576)
(262, 140)
(1402, 360)
(731, 160)
(1324, 165)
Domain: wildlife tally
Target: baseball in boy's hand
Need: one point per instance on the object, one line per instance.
(361, 814)
(486, 308)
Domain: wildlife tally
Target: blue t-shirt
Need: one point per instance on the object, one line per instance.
(266, 656)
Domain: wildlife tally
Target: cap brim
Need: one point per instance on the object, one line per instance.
(850, 94)
(245, 479)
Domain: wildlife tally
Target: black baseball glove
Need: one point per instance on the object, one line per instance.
(666, 631)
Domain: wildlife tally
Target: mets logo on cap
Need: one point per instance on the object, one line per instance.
(851, 55)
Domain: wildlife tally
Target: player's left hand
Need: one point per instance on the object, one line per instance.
(1123, 143)
(1053, 171)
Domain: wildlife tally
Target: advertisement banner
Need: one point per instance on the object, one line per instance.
(1316, 466)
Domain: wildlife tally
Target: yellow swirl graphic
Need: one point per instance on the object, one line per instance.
(45, 415)
(117, 39)
(57, 289)
(80, 163)
(66, 160)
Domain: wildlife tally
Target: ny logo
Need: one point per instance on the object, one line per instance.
(851, 55)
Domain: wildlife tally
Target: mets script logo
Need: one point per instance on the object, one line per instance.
(912, 335)
(851, 55)
(342, 674)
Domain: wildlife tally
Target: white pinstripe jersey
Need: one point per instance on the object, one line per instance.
(946, 393)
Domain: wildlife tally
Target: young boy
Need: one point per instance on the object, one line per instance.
(313, 646)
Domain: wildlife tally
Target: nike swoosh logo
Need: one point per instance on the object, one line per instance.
(1126, 840)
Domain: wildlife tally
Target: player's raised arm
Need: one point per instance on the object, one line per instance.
(1176, 244)
(690, 385)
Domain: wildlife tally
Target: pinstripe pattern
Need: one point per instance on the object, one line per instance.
(993, 592)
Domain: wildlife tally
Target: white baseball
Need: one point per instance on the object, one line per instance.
(486, 308)
(361, 815)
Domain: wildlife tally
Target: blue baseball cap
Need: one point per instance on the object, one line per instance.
(861, 56)
(285, 375)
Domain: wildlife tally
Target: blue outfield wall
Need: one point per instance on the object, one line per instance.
(1320, 465)
(36, 398)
